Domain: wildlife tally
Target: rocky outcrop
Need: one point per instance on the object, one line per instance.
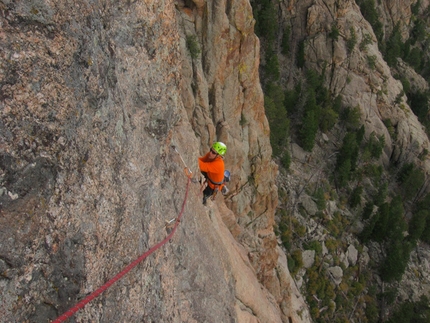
(371, 87)
(93, 96)
(392, 13)
(224, 101)
(415, 280)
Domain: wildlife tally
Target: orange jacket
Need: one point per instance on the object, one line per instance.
(214, 170)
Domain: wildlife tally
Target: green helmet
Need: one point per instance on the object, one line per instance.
(220, 148)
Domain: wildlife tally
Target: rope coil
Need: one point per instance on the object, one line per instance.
(100, 290)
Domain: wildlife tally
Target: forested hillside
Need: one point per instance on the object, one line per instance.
(347, 98)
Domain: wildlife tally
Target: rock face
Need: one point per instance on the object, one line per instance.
(396, 12)
(93, 96)
(344, 62)
(411, 287)
(371, 88)
(228, 106)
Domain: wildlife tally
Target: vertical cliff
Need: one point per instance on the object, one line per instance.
(93, 95)
(224, 101)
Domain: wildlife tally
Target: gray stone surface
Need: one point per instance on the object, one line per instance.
(308, 258)
(352, 255)
(337, 274)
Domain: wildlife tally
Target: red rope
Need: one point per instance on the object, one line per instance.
(96, 293)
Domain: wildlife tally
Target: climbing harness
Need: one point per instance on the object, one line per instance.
(204, 183)
(174, 225)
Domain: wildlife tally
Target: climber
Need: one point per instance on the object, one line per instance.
(212, 168)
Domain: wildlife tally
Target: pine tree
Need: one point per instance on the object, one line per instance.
(309, 126)
(417, 225)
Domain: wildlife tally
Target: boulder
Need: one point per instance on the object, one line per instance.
(308, 258)
(352, 255)
(308, 204)
(336, 273)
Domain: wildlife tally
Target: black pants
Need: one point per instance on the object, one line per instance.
(207, 193)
